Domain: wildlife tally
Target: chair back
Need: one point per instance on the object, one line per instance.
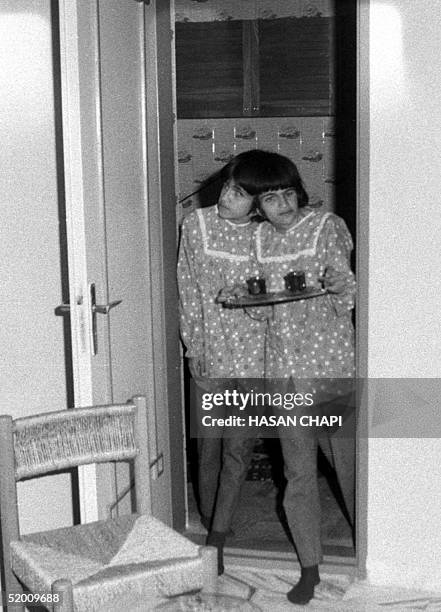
(69, 438)
(44, 443)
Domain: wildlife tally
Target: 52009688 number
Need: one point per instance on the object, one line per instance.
(30, 598)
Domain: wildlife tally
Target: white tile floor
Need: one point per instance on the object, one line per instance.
(267, 589)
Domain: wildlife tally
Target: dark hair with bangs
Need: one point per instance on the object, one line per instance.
(259, 171)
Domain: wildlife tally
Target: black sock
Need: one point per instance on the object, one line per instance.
(303, 592)
(217, 539)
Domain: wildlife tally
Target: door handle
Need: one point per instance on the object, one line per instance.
(98, 309)
(62, 309)
(101, 308)
(105, 308)
(95, 309)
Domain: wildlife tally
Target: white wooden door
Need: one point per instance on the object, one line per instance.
(113, 202)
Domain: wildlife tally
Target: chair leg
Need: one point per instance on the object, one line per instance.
(12, 585)
(209, 565)
(63, 588)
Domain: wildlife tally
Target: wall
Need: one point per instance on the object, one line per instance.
(210, 10)
(31, 336)
(404, 494)
(205, 145)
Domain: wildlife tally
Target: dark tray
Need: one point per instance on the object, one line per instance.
(267, 299)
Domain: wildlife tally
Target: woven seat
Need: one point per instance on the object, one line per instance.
(110, 565)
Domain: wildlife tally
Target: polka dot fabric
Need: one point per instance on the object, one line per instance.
(215, 253)
(311, 338)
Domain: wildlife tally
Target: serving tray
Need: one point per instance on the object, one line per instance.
(268, 299)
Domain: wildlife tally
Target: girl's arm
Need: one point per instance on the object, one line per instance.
(190, 307)
(339, 278)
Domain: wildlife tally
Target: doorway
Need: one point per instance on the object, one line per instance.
(231, 97)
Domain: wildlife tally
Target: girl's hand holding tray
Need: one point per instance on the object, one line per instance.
(335, 281)
(226, 294)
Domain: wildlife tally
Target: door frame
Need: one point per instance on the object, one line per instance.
(362, 274)
(162, 228)
(161, 172)
(81, 332)
(362, 263)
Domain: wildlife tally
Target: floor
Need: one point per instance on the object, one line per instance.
(259, 525)
(267, 590)
(264, 590)
(259, 521)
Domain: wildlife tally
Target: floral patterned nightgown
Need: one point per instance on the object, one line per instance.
(313, 338)
(215, 253)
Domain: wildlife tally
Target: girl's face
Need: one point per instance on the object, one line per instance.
(280, 208)
(234, 203)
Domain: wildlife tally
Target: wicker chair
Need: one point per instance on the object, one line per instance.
(126, 563)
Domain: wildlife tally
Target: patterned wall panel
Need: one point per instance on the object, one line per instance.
(204, 146)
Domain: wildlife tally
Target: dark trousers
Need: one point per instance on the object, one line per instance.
(223, 466)
(301, 499)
